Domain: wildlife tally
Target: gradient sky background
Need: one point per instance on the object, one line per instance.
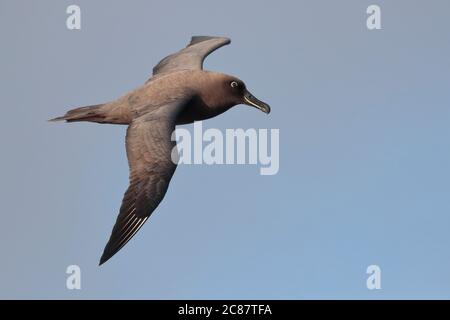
(364, 152)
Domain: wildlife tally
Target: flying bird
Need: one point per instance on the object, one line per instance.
(179, 92)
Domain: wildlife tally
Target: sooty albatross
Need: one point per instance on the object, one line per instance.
(179, 92)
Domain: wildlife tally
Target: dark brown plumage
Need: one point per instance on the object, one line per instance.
(179, 92)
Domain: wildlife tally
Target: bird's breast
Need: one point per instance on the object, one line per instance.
(198, 110)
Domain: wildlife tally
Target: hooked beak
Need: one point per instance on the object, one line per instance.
(251, 100)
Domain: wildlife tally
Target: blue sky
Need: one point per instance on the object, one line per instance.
(364, 152)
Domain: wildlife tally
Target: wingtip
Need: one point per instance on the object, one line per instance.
(102, 260)
(107, 254)
(197, 39)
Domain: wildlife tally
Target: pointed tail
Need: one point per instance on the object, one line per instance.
(93, 113)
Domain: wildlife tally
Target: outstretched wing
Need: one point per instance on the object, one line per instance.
(149, 147)
(192, 56)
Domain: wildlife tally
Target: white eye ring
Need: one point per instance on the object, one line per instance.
(233, 84)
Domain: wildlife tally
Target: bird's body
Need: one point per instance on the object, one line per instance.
(179, 92)
(183, 84)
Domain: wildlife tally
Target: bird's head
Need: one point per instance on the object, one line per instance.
(221, 92)
(236, 92)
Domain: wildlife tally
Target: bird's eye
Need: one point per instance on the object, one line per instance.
(234, 84)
